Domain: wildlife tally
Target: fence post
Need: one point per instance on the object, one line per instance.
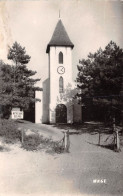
(99, 138)
(22, 136)
(116, 137)
(67, 141)
(114, 131)
(114, 124)
(117, 141)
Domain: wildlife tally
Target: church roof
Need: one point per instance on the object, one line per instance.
(59, 37)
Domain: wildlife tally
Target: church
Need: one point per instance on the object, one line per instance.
(57, 104)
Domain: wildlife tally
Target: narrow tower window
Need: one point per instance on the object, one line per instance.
(60, 58)
(61, 85)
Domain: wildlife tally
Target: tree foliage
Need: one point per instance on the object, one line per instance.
(68, 96)
(100, 77)
(17, 87)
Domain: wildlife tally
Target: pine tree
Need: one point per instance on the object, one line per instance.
(18, 84)
(99, 79)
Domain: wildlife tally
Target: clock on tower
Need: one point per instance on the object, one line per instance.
(61, 70)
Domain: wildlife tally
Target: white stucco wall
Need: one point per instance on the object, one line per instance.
(77, 113)
(70, 114)
(45, 101)
(38, 107)
(54, 76)
(45, 111)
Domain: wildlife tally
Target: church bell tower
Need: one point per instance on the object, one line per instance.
(59, 52)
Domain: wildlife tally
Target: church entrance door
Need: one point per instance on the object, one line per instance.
(61, 113)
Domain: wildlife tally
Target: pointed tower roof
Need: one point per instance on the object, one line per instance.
(59, 37)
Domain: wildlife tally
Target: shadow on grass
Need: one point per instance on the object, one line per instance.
(24, 122)
(91, 128)
(19, 121)
(108, 146)
(4, 149)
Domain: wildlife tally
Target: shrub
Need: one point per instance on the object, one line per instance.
(57, 147)
(31, 142)
(35, 142)
(9, 131)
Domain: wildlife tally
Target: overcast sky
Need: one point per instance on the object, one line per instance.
(90, 24)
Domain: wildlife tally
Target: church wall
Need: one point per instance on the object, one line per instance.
(45, 101)
(77, 111)
(70, 114)
(54, 76)
(38, 107)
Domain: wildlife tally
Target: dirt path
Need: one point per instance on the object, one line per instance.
(40, 173)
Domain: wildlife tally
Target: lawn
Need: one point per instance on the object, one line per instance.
(37, 137)
(44, 171)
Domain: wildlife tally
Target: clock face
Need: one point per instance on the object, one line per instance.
(61, 70)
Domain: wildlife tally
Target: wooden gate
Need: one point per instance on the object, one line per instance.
(61, 113)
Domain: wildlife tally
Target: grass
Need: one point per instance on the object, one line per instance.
(9, 131)
(94, 128)
(35, 142)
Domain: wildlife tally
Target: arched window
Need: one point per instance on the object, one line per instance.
(60, 58)
(61, 85)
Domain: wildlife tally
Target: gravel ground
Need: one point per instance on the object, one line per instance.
(41, 173)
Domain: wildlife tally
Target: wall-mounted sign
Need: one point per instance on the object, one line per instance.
(17, 114)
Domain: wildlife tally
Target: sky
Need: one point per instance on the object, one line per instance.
(90, 24)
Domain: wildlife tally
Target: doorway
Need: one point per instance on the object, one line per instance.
(61, 113)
